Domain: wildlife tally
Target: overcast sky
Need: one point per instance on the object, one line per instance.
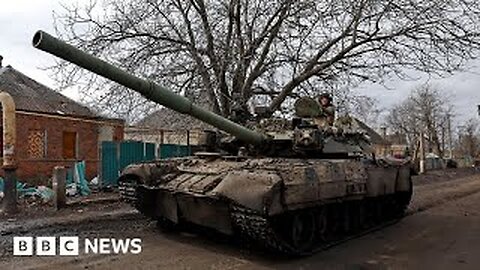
(19, 19)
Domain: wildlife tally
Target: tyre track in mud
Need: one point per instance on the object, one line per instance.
(430, 195)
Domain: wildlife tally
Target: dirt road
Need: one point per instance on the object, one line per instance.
(442, 231)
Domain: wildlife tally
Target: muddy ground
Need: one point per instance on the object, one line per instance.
(441, 231)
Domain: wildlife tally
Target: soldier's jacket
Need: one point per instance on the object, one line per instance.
(326, 117)
(329, 112)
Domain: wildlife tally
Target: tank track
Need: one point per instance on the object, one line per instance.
(256, 227)
(259, 229)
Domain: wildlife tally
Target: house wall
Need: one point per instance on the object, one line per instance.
(158, 136)
(37, 170)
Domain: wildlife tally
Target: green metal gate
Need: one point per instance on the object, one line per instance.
(115, 156)
(110, 163)
(174, 150)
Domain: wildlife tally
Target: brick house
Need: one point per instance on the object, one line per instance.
(53, 130)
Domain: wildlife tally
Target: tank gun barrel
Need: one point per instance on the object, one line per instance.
(148, 89)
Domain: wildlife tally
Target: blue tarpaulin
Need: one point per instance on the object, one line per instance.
(76, 181)
(23, 191)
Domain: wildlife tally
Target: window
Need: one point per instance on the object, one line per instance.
(69, 145)
(37, 143)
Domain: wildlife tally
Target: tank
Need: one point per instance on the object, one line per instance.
(291, 186)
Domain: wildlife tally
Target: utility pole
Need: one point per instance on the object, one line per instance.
(384, 135)
(422, 152)
(9, 163)
(449, 127)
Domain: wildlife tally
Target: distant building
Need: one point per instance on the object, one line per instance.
(394, 145)
(398, 145)
(52, 129)
(166, 126)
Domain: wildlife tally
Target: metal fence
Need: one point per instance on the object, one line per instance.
(115, 156)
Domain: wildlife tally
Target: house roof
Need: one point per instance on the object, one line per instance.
(30, 95)
(171, 120)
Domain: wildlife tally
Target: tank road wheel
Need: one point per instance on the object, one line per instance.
(298, 230)
(374, 211)
(346, 217)
(362, 216)
(322, 225)
(357, 216)
(302, 232)
(379, 208)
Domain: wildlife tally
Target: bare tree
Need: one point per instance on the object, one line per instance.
(425, 111)
(221, 49)
(468, 143)
(365, 108)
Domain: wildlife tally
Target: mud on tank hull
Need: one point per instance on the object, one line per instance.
(294, 206)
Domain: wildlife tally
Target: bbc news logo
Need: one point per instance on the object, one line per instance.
(70, 246)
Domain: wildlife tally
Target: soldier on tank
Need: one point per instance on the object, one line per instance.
(327, 114)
